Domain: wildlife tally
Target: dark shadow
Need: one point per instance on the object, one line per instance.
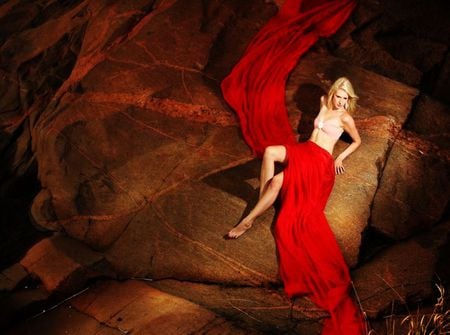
(307, 100)
(17, 191)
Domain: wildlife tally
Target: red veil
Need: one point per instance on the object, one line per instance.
(309, 257)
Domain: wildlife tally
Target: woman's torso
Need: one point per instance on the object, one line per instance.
(328, 128)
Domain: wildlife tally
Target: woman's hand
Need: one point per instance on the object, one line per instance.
(339, 166)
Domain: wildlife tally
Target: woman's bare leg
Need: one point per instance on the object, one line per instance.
(272, 154)
(268, 198)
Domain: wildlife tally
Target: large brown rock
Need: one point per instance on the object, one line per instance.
(264, 309)
(403, 274)
(413, 193)
(139, 122)
(134, 306)
(63, 264)
(181, 235)
(430, 119)
(112, 308)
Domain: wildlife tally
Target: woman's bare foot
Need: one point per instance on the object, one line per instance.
(240, 229)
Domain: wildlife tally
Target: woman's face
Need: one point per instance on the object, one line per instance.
(340, 99)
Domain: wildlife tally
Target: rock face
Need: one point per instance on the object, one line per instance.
(142, 168)
(114, 308)
(413, 193)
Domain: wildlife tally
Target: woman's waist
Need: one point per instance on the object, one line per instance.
(323, 140)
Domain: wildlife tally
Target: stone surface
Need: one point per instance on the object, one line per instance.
(16, 305)
(265, 309)
(181, 235)
(61, 321)
(413, 193)
(11, 277)
(104, 172)
(431, 119)
(135, 307)
(441, 84)
(402, 274)
(403, 40)
(62, 263)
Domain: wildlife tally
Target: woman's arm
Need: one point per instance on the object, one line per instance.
(350, 128)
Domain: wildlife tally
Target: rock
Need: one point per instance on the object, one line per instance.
(413, 193)
(20, 304)
(401, 274)
(63, 264)
(405, 41)
(11, 277)
(430, 119)
(440, 85)
(363, 49)
(134, 306)
(105, 183)
(181, 235)
(264, 309)
(162, 114)
(63, 320)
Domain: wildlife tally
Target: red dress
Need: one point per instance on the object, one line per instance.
(310, 260)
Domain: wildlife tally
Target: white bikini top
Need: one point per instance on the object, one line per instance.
(331, 127)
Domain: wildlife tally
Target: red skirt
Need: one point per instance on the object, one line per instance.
(310, 261)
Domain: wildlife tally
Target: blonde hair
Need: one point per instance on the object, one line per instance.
(344, 84)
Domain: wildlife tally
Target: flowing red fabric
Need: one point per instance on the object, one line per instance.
(255, 88)
(310, 260)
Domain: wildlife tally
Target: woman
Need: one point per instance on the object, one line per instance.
(310, 260)
(333, 119)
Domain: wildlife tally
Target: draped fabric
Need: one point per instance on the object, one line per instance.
(255, 88)
(310, 260)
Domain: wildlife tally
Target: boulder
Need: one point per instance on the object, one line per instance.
(63, 264)
(181, 235)
(402, 274)
(264, 309)
(413, 192)
(136, 123)
(430, 119)
(11, 277)
(137, 307)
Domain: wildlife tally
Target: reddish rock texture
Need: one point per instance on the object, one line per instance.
(142, 168)
(113, 308)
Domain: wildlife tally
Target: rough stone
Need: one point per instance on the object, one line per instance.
(402, 274)
(181, 235)
(11, 277)
(134, 306)
(430, 119)
(442, 82)
(14, 305)
(413, 193)
(63, 320)
(62, 263)
(267, 310)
